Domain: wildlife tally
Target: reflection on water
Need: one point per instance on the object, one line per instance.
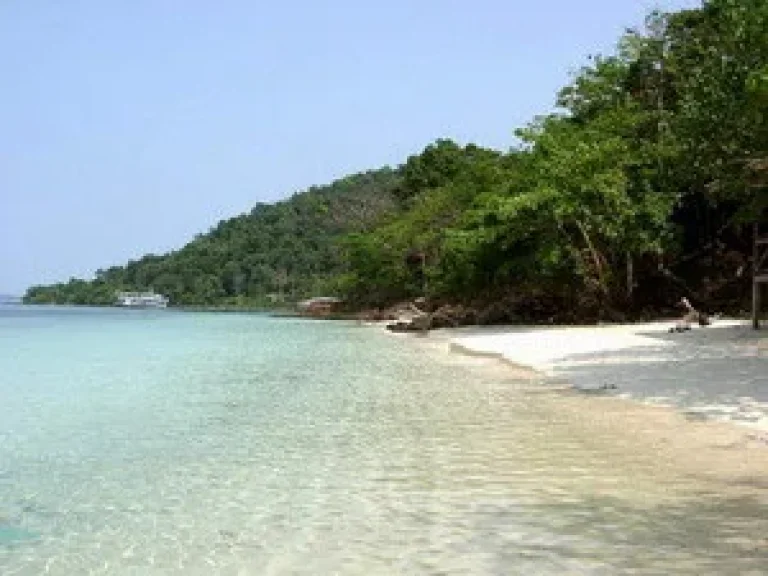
(262, 447)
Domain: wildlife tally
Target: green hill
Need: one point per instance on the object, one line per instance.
(289, 248)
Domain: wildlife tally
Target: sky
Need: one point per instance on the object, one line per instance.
(128, 127)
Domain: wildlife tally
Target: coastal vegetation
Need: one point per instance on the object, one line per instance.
(274, 253)
(637, 190)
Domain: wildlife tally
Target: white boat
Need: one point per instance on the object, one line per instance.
(141, 300)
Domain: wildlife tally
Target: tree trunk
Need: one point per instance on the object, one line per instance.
(596, 258)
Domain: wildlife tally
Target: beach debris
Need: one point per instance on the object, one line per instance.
(758, 437)
(416, 317)
(410, 318)
(691, 316)
(595, 390)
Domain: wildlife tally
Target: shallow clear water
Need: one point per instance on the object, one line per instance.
(176, 443)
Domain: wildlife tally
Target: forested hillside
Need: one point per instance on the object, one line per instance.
(285, 250)
(637, 191)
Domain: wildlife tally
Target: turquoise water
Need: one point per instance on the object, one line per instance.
(160, 442)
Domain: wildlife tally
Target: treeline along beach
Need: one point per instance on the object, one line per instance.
(639, 189)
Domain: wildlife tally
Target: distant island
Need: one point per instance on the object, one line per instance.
(640, 189)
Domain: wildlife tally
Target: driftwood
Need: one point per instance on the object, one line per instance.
(413, 319)
(691, 316)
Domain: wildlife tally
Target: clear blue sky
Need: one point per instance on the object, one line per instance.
(127, 127)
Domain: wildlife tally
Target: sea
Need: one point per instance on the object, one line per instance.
(166, 442)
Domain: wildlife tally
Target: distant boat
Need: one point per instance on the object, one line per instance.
(141, 300)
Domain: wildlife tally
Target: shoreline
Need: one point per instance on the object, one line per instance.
(719, 372)
(683, 443)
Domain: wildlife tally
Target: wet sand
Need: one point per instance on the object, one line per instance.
(716, 453)
(565, 369)
(718, 372)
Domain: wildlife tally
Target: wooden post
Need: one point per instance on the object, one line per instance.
(755, 280)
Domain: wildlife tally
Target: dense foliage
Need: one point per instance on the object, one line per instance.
(634, 193)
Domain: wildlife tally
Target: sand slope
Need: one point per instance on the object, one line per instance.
(720, 371)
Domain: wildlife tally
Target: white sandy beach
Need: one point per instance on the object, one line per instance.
(719, 371)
